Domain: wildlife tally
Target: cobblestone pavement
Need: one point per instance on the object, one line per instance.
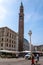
(11, 59)
(18, 61)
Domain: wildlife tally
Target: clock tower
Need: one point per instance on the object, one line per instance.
(21, 28)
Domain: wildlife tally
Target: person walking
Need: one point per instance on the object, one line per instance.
(37, 57)
(32, 60)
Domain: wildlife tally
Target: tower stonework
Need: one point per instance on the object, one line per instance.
(21, 28)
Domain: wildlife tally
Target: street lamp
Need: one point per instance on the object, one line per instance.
(30, 33)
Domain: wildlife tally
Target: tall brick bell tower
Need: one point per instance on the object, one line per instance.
(21, 28)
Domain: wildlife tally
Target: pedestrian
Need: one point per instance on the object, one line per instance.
(32, 60)
(37, 57)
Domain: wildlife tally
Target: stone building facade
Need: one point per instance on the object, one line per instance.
(8, 39)
(38, 48)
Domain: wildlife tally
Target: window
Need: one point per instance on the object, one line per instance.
(12, 45)
(1, 44)
(2, 39)
(12, 41)
(2, 32)
(10, 34)
(7, 40)
(6, 44)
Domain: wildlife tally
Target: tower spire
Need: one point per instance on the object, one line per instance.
(21, 7)
(21, 4)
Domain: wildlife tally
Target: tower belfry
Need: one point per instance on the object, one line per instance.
(21, 28)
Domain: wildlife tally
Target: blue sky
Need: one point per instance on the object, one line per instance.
(33, 17)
